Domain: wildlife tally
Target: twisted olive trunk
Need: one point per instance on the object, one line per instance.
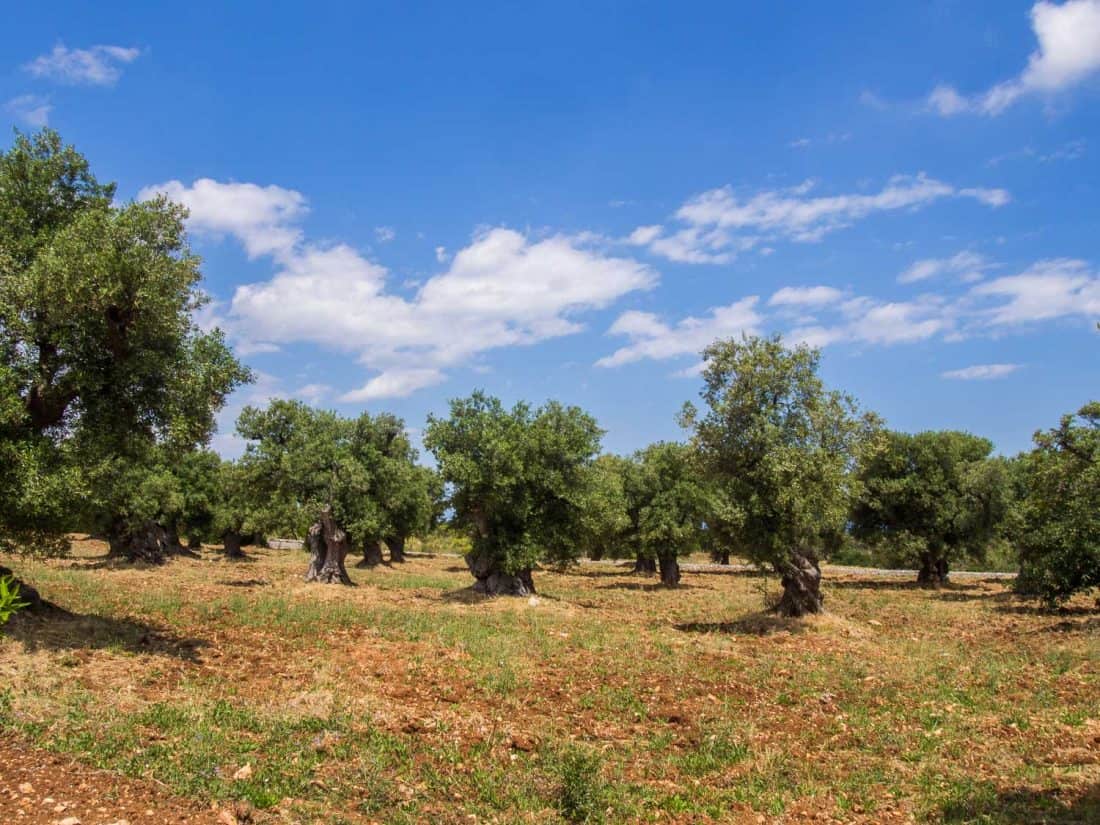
(231, 541)
(670, 570)
(493, 581)
(328, 547)
(372, 553)
(933, 571)
(801, 587)
(397, 549)
(148, 542)
(645, 565)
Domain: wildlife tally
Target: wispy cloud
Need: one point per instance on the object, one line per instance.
(714, 226)
(981, 372)
(30, 109)
(94, 66)
(968, 266)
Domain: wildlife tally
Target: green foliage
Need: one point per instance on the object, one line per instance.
(667, 501)
(778, 447)
(9, 598)
(604, 521)
(517, 477)
(102, 360)
(930, 497)
(1060, 535)
(299, 459)
(582, 790)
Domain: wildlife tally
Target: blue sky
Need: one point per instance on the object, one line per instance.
(399, 204)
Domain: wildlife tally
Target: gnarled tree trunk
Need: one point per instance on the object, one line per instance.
(149, 542)
(801, 587)
(194, 543)
(493, 581)
(670, 570)
(328, 547)
(644, 565)
(723, 557)
(933, 571)
(397, 549)
(231, 541)
(372, 553)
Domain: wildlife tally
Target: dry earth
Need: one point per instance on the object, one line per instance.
(208, 691)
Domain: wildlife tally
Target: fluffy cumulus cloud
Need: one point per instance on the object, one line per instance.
(505, 288)
(262, 218)
(981, 372)
(1068, 53)
(94, 66)
(30, 109)
(652, 338)
(967, 266)
(716, 225)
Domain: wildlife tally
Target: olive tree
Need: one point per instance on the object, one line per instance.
(517, 483)
(666, 506)
(102, 362)
(930, 498)
(604, 521)
(305, 481)
(1060, 536)
(402, 492)
(777, 446)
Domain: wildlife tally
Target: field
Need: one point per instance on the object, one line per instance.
(209, 691)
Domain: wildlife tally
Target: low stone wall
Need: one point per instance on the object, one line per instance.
(285, 544)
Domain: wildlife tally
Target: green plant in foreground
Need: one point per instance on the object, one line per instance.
(582, 790)
(9, 598)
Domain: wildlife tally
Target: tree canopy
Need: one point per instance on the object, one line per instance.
(1060, 536)
(778, 446)
(930, 499)
(102, 358)
(517, 483)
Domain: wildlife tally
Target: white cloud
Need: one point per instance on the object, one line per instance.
(1068, 53)
(968, 266)
(800, 143)
(441, 254)
(261, 217)
(652, 338)
(384, 234)
(505, 288)
(805, 296)
(31, 109)
(1045, 291)
(718, 224)
(981, 372)
(313, 393)
(95, 66)
(395, 383)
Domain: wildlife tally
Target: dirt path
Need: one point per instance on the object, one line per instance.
(41, 788)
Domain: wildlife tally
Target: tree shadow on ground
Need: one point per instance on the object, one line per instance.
(54, 628)
(988, 805)
(755, 624)
(650, 587)
(467, 595)
(244, 583)
(1074, 618)
(901, 585)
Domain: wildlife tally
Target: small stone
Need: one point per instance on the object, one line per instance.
(26, 788)
(69, 820)
(243, 772)
(120, 822)
(533, 601)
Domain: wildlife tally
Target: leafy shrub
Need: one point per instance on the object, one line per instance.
(582, 791)
(9, 598)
